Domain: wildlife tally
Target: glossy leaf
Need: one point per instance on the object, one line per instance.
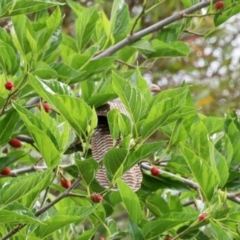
(130, 201)
(168, 221)
(17, 188)
(16, 212)
(85, 25)
(173, 49)
(202, 172)
(8, 61)
(134, 231)
(113, 161)
(11, 158)
(26, 6)
(119, 17)
(63, 218)
(131, 97)
(79, 118)
(45, 141)
(87, 169)
(7, 125)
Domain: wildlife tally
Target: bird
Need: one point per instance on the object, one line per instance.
(102, 142)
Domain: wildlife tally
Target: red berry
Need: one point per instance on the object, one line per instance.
(168, 238)
(96, 198)
(6, 171)
(219, 5)
(46, 107)
(155, 171)
(15, 143)
(65, 183)
(9, 85)
(202, 217)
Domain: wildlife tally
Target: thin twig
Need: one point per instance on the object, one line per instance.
(138, 17)
(153, 28)
(234, 197)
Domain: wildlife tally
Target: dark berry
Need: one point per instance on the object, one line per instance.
(65, 183)
(202, 217)
(219, 5)
(155, 171)
(45, 106)
(6, 171)
(9, 85)
(96, 198)
(15, 143)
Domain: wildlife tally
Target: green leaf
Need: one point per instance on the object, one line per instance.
(224, 16)
(155, 119)
(143, 46)
(93, 67)
(8, 60)
(87, 169)
(131, 97)
(47, 34)
(144, 151)
(7, 125)
(205, 176)
(119, 18)
(187, 3)
(130, 201)
(82, 115)
(56, 87)
(87, 234)
(26, 6)
(173, 49)
(63, 218)
(218, 231)
(16, 213)
(157, 205)
(134, 231)
(21, 186)
(85, 26)
(213, 124)
(11, 158)
(119, 124)
(154, 228)
(220, 164)
(232, 132)
(200, 141)
(166, 107)
(42, 135)
(19, 34)
(43, 70)
(113, 161)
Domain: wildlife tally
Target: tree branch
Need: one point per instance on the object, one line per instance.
(234, 197)
(155, 27)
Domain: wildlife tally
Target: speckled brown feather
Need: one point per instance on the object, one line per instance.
(102, 141)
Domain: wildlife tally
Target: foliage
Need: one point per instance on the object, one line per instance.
(195, 196)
